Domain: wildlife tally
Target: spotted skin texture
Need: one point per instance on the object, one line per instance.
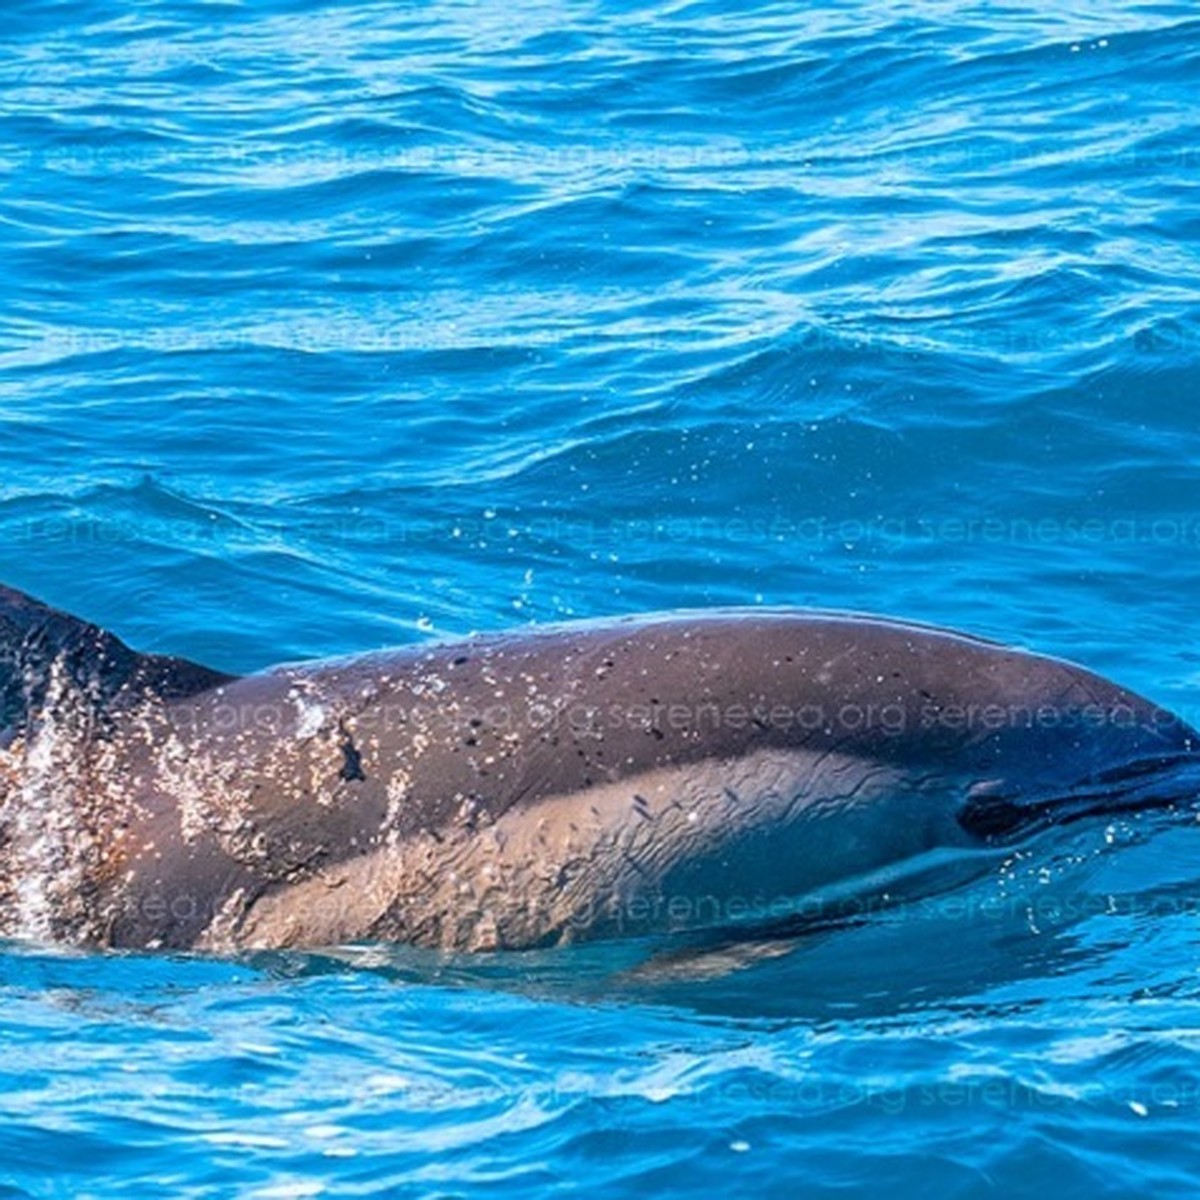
(551, 785)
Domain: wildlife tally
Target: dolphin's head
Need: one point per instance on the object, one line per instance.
(1001, 810)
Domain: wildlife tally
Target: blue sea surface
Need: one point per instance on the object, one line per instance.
(334, 325)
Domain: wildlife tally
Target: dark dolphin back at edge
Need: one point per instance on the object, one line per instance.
(33, 636)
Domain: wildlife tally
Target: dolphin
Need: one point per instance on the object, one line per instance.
(646, 774)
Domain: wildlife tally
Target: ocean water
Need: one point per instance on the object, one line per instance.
(329, 326)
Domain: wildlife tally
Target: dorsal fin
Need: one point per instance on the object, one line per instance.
(35, 637)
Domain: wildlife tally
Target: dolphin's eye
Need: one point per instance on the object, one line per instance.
(988, 815)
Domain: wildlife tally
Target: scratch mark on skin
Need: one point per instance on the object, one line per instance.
(352, 768)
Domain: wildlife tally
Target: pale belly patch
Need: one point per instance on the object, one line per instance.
(694, 846)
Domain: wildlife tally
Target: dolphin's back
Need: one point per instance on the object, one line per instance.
(509, 718)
